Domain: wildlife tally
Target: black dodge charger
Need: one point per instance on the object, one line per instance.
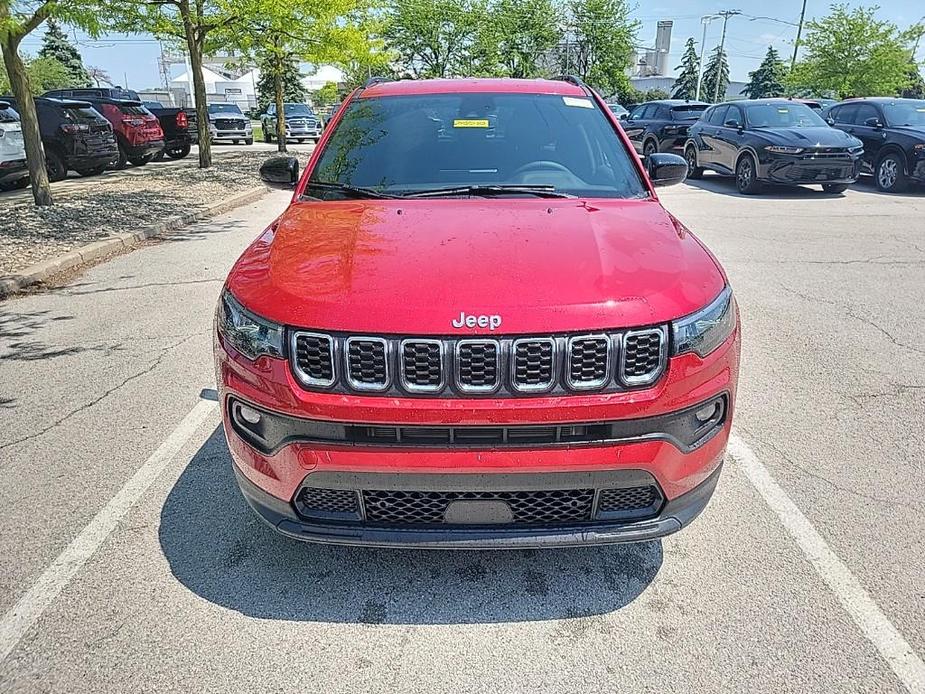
(772, 141)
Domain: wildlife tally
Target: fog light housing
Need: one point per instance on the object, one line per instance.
(249, 415)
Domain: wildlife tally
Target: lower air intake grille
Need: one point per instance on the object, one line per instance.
(527, 507)
(314, 500)
(628, 499)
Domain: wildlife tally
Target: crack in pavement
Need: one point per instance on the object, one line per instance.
(143, 286)
(852, 314)
(148, 369)
(915, 507)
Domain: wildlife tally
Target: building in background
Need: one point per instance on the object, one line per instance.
(733, 91)
(653, 62)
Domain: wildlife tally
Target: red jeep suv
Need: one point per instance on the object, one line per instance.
(476, 326)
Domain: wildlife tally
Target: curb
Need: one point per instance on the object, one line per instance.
(34, 274)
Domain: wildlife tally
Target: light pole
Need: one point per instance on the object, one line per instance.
(725, 14)
(796, 44)
(705, 20)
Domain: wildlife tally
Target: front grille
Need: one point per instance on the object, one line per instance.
(313, 500)
(478, 367)
(628, 499)
(229, 124)
(831, 153)
(367, 363)
(588, 361)
(314, 358)
(470, 367)
(422, 365)
(642, 357)
(527, 507)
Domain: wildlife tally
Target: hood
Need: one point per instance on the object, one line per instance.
(227, 116)
(823, 136)
(914, 131)
(412, 267)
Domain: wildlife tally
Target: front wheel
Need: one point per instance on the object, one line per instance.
(891, 178)
(649, 148)
(249, 141)
(693, 171)
(18, 184)
(747, 176)
(267, 137)
(834, 188)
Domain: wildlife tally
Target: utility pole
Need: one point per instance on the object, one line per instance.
(796, 44)
(705, 20)
(725, 14)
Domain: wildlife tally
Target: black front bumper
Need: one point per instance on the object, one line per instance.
(673, 516)
(792, 170)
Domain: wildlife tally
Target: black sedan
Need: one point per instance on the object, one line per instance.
(893, 133)
(661, 126)
(774, 141)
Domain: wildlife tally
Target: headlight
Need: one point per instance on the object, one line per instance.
(704, 331)
(919, 148)
(780, 149)
(251, 335)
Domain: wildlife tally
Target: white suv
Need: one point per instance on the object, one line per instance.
(13, 172)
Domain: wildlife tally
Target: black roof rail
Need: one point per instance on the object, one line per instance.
(574, 79)
(375, 80)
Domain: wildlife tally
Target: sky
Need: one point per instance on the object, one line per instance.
(131, 60)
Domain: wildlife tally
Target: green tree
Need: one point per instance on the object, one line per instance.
(327, 95)
(915, 85)
(715, 77)
(18, 19)
(55, 45)
(685, 86)
(43, 73)
(600, 45)
(768, 79)
(433, 38)
(850, 52)
(294, 91)
(527, 30)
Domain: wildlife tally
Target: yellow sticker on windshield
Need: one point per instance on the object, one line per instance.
(470, 123)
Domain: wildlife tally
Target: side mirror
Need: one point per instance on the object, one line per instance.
(873, 123)
(732, 123)
(666, 169)
(830, 120)
(280, 172)
(624, 116)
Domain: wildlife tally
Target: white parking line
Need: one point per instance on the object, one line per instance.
(35, 601)
(875, 625)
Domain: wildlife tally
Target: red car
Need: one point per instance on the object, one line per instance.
(476, 326)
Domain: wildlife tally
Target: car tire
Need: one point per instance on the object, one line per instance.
(55, 166)
(177, 152)
(834, 188)
(690, 156)
(141, 161)
(249, 141)
(121, 160)
(18, 184)
(747, 176)
(650, 147)
(889, 174)
(235, 142)
(266, 135)
(95, 171)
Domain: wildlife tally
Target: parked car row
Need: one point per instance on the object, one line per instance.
(789, 141)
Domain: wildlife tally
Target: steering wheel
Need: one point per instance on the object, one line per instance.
(542, 165)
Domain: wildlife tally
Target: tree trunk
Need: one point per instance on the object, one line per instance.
(194, 41)
(280, 109)
(25, 106)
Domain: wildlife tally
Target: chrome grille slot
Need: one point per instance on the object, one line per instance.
(314, 359)
(642, 358)
(367, 363)
(588, 361)
(533, 364)
(478, 365)
(422, 368)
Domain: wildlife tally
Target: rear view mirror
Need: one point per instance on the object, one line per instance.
(666, 169)
(280, 172)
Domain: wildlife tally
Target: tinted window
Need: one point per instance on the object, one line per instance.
(298, 110)
(133, 110)
(785, 114)
(8, 115)
(844, 114)
(82, 115)
(661, 113)
(864, 112)
(400, 144)
(733, 113)
(687, 112)
(152, 104)
(225, 108)
(910, 112)
(718, 115)
(637, 112)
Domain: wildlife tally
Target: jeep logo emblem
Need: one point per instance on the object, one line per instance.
(483, 321)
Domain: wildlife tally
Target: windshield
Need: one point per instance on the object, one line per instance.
(152, 104)
(688, 112)
(225, 108)
(911, 112)
(783, 115)
(298, 110)
(403, 144)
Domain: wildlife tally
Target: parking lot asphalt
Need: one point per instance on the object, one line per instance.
(132, 563)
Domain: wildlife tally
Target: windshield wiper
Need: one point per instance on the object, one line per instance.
(355, 191)
(490, 190)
